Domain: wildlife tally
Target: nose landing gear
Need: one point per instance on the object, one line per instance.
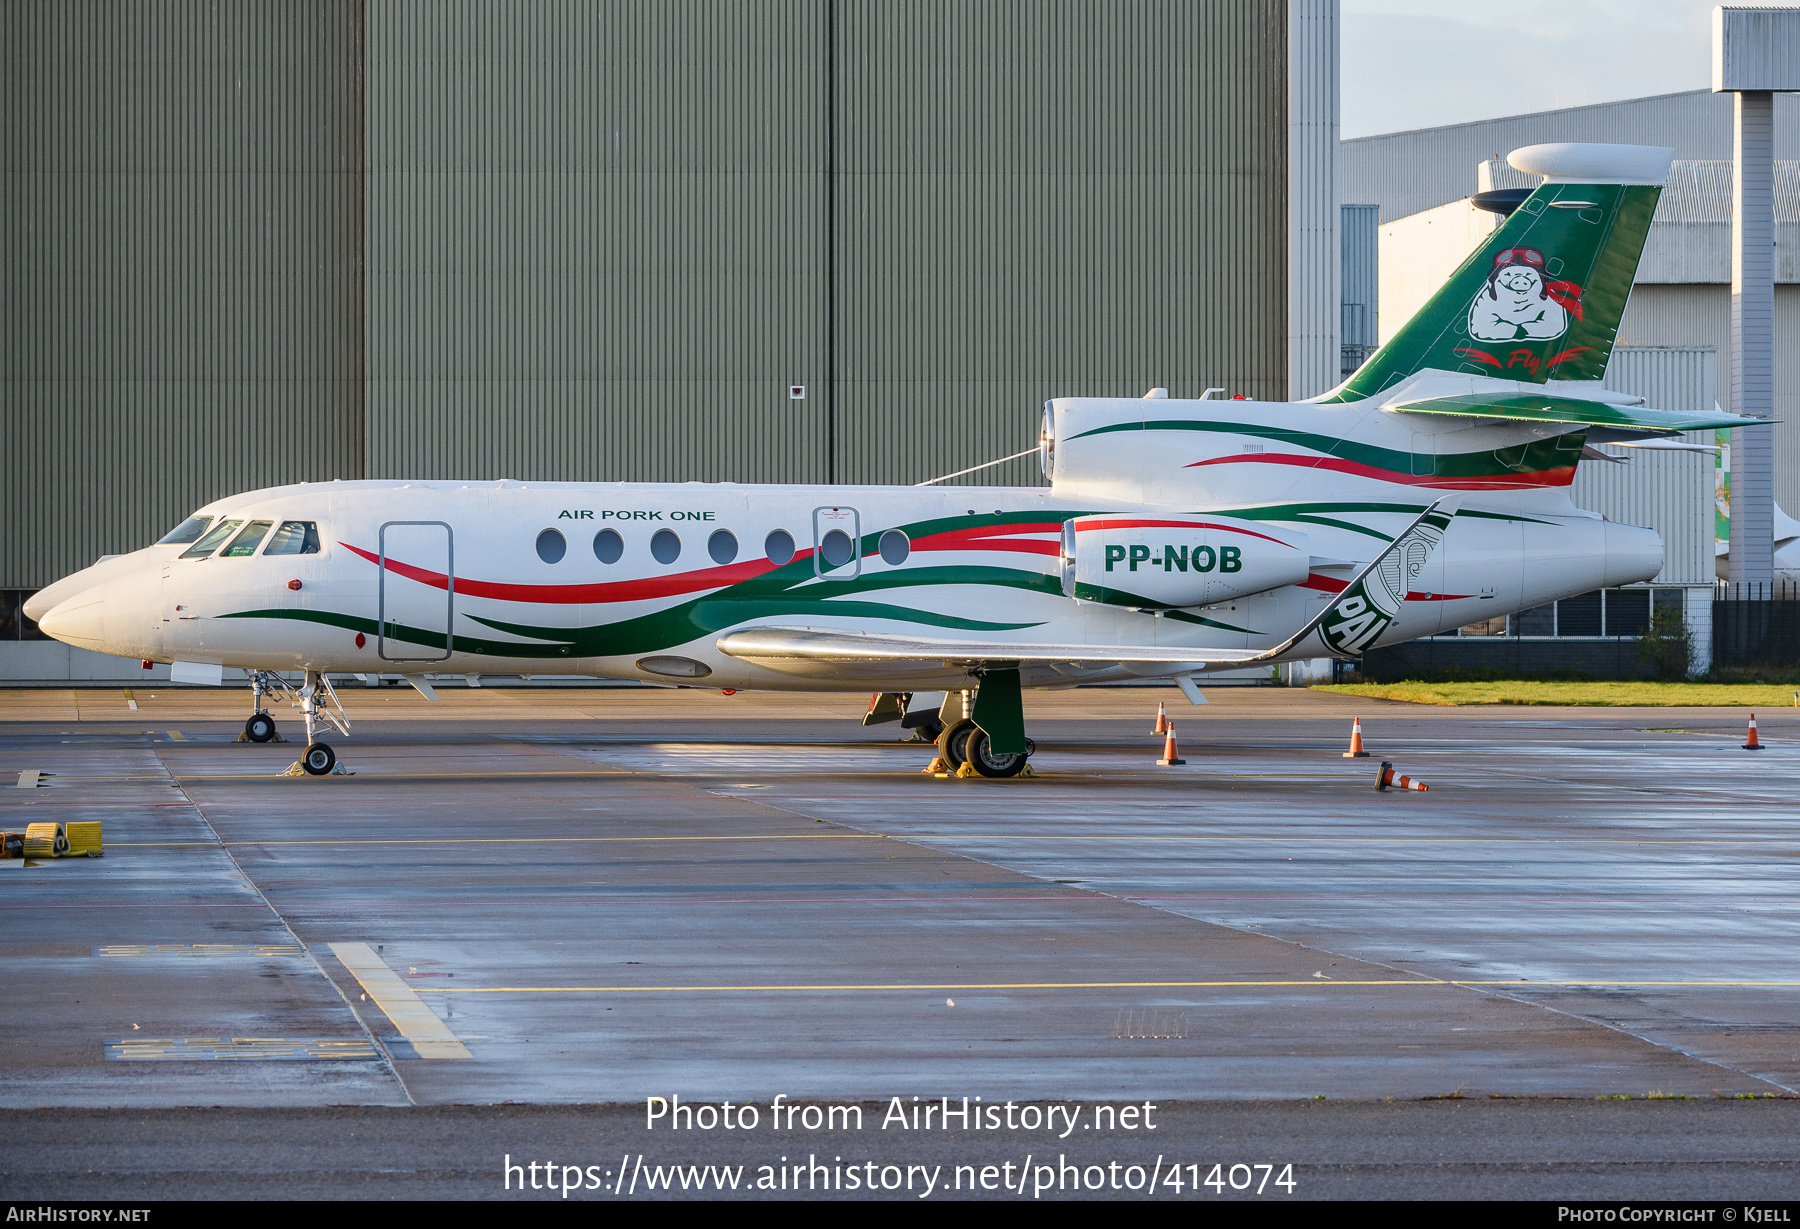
(260, 728)
(320, 706)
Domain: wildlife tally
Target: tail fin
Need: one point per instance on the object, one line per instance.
(1542, 298)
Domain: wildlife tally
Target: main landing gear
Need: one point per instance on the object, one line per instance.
(983, 728)
(964, 742)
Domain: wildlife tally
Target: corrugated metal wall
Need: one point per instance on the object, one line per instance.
(1670, 492)
(1677, 315)
(596, 239)
(1408, 172)
(1359, 237)
(182, 219)
(606, 238)
(1314, 292)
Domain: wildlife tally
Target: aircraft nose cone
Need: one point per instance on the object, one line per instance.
(79, 621)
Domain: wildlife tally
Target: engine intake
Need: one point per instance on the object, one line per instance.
(1165, 562)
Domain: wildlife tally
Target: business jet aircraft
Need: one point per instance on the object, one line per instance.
(1428, 491)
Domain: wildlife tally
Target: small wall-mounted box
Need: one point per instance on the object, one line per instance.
(796, 392)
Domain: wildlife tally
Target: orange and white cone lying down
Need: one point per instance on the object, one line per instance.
(1356, 751)
(1751, 743)
(1162, 720)
(1171, 758)
(1387, 776)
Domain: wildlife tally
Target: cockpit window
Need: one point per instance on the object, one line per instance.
(208, 544)
(186, 532)
(294, 538)
(246, 543)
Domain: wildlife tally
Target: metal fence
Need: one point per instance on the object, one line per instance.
(1756, 624)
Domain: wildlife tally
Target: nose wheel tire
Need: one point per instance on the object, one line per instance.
(318, 760)
(260, 728)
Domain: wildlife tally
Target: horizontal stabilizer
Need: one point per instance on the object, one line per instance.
(1534, 407)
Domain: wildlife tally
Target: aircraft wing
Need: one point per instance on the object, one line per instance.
(1359, 614)
(777, 647)
(1537, 407)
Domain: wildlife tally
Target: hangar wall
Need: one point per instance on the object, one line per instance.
(1421, 168)
(182, 210)
(606, 239)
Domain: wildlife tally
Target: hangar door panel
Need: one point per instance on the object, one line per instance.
(417, 598)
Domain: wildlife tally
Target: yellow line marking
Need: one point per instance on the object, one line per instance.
(924, 837)
(386, 776)
(1070, 985)
(430, 1036)
(131, 700)
(178, 736)
(534, 840)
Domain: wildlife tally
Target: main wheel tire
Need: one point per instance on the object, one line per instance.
(318, 760)
(927, 732)
(953, 743)
(988, 764)
(260, 728)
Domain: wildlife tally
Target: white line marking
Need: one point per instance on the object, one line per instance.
(430, 1036)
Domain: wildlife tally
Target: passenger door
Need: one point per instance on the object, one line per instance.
(416, 598)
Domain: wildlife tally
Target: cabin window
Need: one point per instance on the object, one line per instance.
(665, 547)
(722, 546)
(186, 532)
(837, 549)
(609, 547)
(247, 542)
(895, 547)
(779, 547)
(294, 538)
(552, 546)
(209, 542)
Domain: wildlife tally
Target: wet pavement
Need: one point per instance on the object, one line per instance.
(578, 896)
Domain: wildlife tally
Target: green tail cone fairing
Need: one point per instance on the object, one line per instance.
(1540, 300)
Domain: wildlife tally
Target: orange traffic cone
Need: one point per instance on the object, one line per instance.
(1751, 744)
(1356, 751)
(1162, 720)
(1387, 776)
(1171, 758)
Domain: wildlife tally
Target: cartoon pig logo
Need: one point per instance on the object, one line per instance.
(1517, 304)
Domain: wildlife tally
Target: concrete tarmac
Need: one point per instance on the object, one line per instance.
(569, 897)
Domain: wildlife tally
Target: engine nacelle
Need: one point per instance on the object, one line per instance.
(1158, 562)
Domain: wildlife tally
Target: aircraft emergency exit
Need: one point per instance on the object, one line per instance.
(1428, 491)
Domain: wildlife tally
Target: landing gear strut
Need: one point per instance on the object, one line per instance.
(260, 728)
(320, 706)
